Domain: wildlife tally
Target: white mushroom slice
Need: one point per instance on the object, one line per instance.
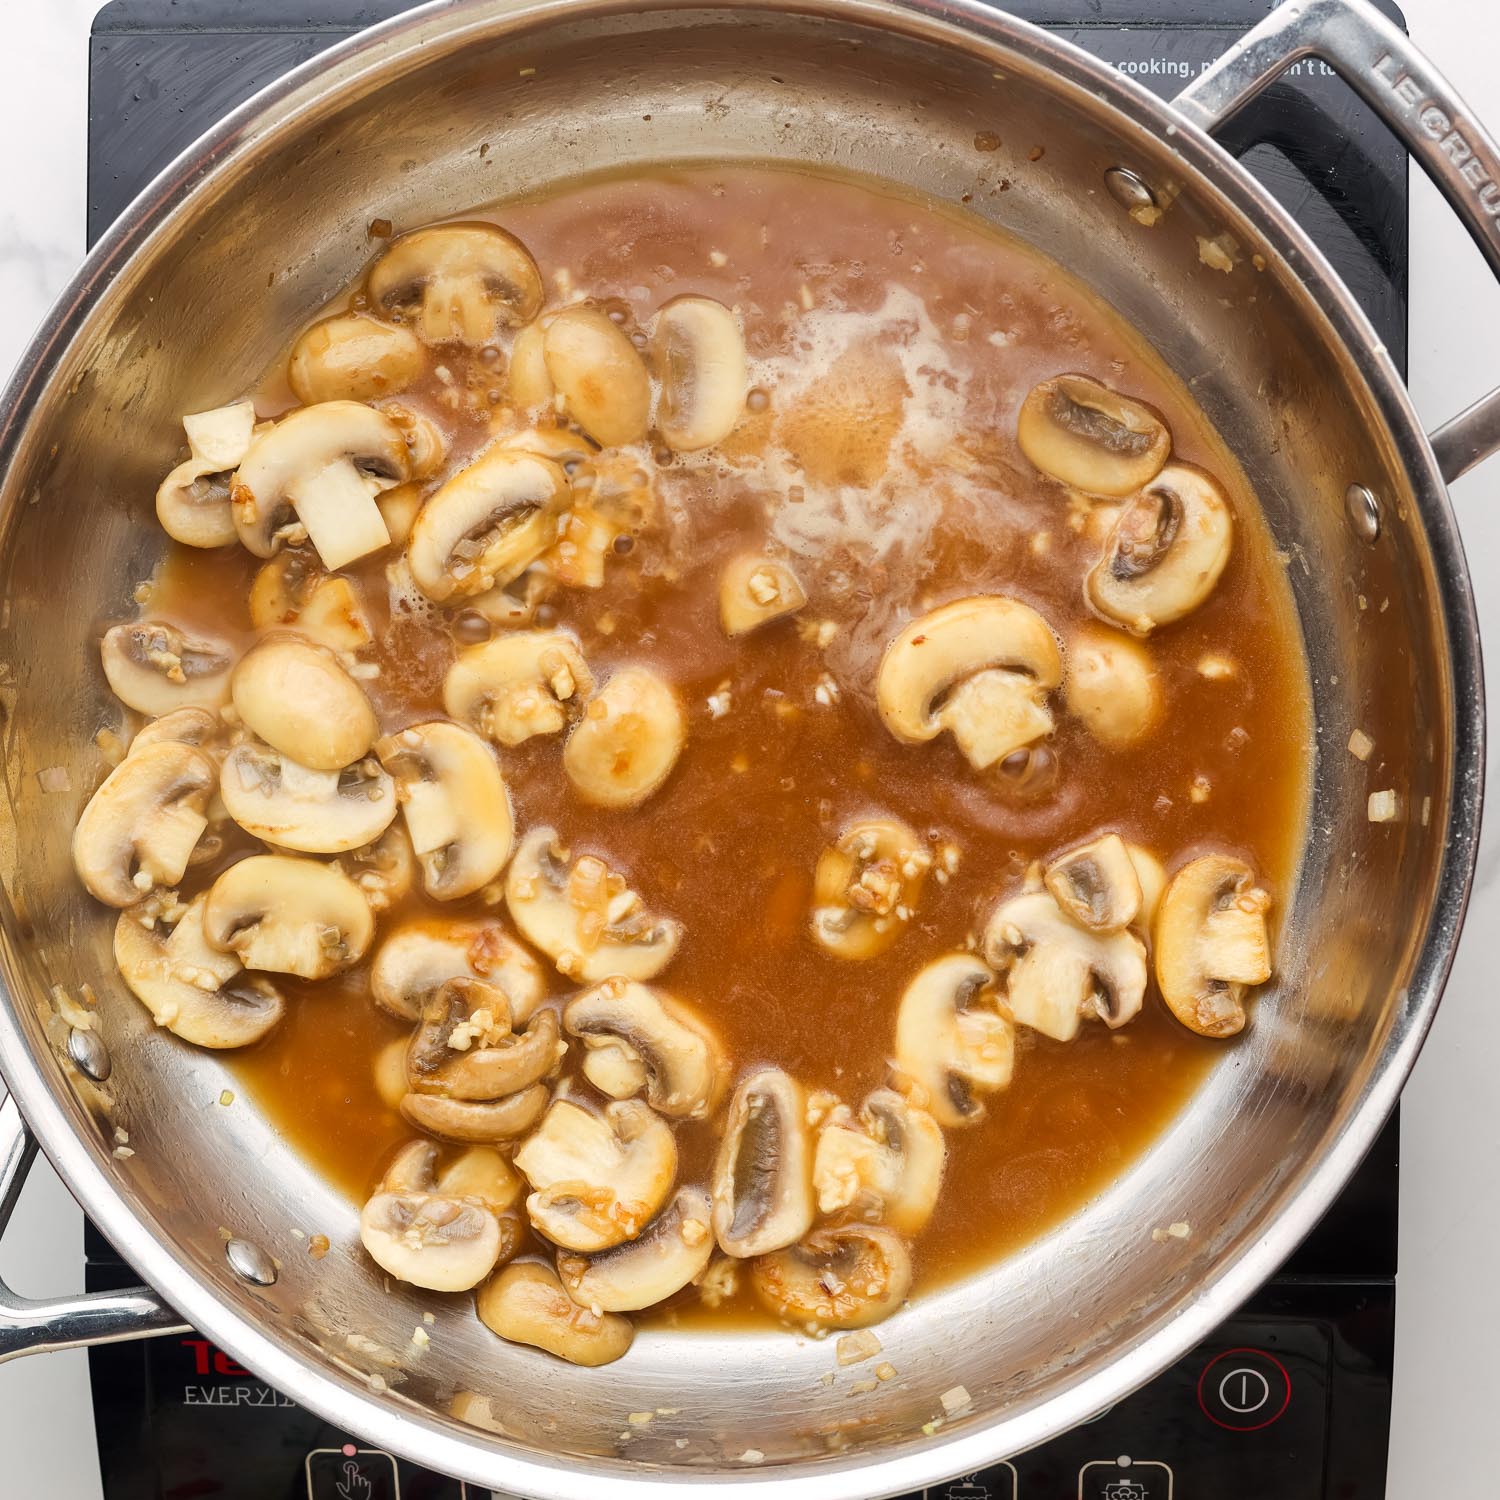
(399, 509)
(466, 1048)
(867, 886)
(762, 1180)
(981, 667)
(486, 525)
(154, 668)
(483, 1174)
(523, 683)
(219, 438)
(1212, 943)
(199, 727)
(597, 1179)
(384, 870)
(755, 589)
(484, 1120)
(427, 1237)
(292, 592)
(672, 1252)
(1057, 972)
(289, 916)
(456, 805)
(320, 468)
(628, 740)
(889, 1168)
(195, 991)
(1165, 552)
(599, 375)
(1096, 884)
(526, 1304)
(281, 802)
(457, 283)
(295, 696)
(530, 384)
(192, 502)
(700, 359)
(350, 357)
(950, 1041)
(426, 449)
(561, 444)
(1084, 434)
(583, 915)
(679, 1061)
(847, 1277)
(422, 955)
(1112, 685)
(390, 1073)
(1153, 881)
(140, 827)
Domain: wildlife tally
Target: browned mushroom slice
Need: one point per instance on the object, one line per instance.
(527, 1304)
(888, 1167)
(673, 1250)
(1084, 434)
(293, 592)
(484, 1120)
(624, 746)
(1096, 884)
(524, 683)
(762, 1180)
(700, 357)
(867, 886)
(466, 1048)
(420, 956)
(847, 1277)
(350, 357)
(599, 375)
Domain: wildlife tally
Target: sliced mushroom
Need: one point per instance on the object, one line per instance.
(530, 384)
(597, 1179)
(154, 668)
(390, 1073)
(457, 283)
(762, 1180)
(1096, 884)
(1153, 881)
(634, 1036)
(199, 727)
(422, 955)
(613, 497)
(599, 375)
(383, 870)
(847, 1277)
(527, 1304)
(628, 740)
(192, 502)
(289, 916)
(456, 805)
(950, 1041)
(561, 444)
(426, 449)
(1084, 434)
(889, 1167)
(583, 915)
(317, 471)
(275, 799)
(399, 508)
(292, 592)
(195, 991)
(140, 827)
(673, 1251)
(1112, 685)
(700, 359)
(487, 524)
(523, 683)
(1057, 972)
(1165, 552)
(980, 667)
(466, 1048)
(350, 357)
(481, 1121)
(1212, 943)
(483, 1174)
(420, 1234)
(755, 589)
(295, 696)
(867, 887)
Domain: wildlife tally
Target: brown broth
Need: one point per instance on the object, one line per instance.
(924, 410)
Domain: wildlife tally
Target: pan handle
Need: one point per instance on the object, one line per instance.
(1379, 62)
(32, 1327)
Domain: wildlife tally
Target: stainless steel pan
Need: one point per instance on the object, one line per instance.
(255, 226)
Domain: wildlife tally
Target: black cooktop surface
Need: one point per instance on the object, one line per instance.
(1289, 1400)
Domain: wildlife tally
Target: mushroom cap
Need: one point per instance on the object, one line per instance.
(890, 1167)
(481, 1121)
(1097, 884)
(755, 589)
(762, 1178)
(487, 524)
(465, 1047)
(681, 1063)
(456, 804)
(671, 1252)
(1113, 686)
(599, 374)
(350, 357)
(195, 991)
(558, 906)
(522, 683)
(624, 746)
(1086, 435)
(847, 1277)
(866, 887)
(295, 696)
(154, 668)
(288, 915)
(457, 283)
(140, 827)
(527, 1304)
(292, 592)
(699, 353)
(425, 953)
(1212, 942)
(275, 799)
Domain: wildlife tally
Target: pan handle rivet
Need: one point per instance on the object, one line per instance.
(1364, 512)
(1128, 188)
(250, 1263)
(87, 1049)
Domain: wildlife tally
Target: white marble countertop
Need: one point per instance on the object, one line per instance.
(1448, 1305)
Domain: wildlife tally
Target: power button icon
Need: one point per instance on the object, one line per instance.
(1244, 1390)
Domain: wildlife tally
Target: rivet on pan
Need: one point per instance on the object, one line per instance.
(1364, 512)
(250, 1263)
(1128, 189)
(87, 1049)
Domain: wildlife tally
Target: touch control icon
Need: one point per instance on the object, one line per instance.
(1243, 1390)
